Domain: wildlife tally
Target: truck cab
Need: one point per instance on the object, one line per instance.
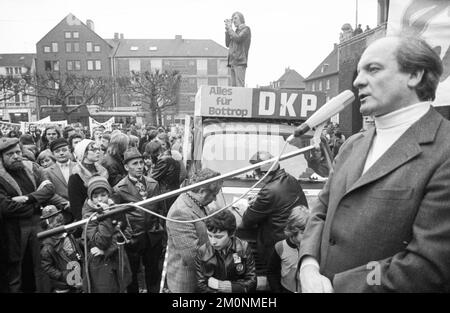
(231, 124)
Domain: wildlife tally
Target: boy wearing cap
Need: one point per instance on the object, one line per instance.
(108, 267)
(60, 172)
(147, 231)
(61, 255)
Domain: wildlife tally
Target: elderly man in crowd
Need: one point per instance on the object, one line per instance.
(382, 222)
(184, 238)
(22, 192)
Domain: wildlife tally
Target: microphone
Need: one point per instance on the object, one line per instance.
(329, 109)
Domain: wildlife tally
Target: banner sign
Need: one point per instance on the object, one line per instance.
(429, 19)
(217, 101)
(42, 125)
(93, 124)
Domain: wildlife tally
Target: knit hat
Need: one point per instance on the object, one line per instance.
(6, 143)
(58, 143)
(80, 149)
(96, 182)
(131, 154)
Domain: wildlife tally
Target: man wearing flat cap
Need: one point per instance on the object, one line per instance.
(59, 174)
(23, 190)
(148, 234)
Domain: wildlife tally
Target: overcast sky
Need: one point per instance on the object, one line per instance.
(285, 33)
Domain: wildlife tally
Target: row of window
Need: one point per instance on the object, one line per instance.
(319, 88)
(186, 67)
(13, 70)
(73, 47)
(73, 65)
(76, 100)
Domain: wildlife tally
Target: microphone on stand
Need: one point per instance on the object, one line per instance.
(328, 110)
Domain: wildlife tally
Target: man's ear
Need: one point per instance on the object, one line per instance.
(415, 78)
(127, 168)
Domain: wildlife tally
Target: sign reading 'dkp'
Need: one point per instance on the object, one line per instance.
(217, 101)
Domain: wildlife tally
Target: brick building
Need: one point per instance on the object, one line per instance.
(290, 80)
(17, 107)
(72, 47)
(199, 61)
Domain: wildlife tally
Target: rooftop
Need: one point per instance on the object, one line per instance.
(17, 59)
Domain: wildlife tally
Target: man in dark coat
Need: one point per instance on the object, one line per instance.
(147, 231)
(382, 222)
(272, 206)
(22, 192)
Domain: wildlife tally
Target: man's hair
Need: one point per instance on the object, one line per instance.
(414, 54)
(240, 15)
(44, 154)
(203, 175)
(66, 131)
(72, 137)
(224, 220)
(296, 222)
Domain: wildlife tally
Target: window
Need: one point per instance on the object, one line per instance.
(75, 100)
(313, 87)
(72, 47)
(9, 71)
(67, 35)
(94, 65)
(68, 47)
(202, 67)
(320, 86)
(77, 65)
(76, 47)
(69, 65)
(17, 70)
(88, 46)
(54, 46)
(222, 81)
(135, 65)
(212, 81)
(47, 49)
(328, 84)
(156, 64)
(97, 48)
(48, 65)
(76, 35)
(222, 67)
(134, 48)
(56, 65)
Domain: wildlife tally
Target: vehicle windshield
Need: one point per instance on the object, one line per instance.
(231, 147)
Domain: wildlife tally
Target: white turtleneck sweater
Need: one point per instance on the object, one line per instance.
(390, 127)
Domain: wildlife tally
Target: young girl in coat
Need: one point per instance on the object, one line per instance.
(108, 269)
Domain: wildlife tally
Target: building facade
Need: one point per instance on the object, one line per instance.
(199, 61)
(16, 106)
(290, 80)
(71, 47)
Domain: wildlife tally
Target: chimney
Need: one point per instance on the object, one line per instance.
(121, 36)
(116, 36)
(90, 24)
(178, 37)
(287, 69)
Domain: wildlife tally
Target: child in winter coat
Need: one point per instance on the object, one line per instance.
(61, 255)
(108, 269)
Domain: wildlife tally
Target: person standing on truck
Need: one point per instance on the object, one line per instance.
(272, 206)
(238, 42)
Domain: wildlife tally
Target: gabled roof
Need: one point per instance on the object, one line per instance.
(291, 79)
(71, 19)
(168, 48)
(329, 65)
(17, 59)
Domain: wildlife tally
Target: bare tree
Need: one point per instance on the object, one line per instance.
(85, 90)
(10, 86)
(156, 91)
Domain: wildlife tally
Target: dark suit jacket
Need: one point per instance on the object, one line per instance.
(397, 214)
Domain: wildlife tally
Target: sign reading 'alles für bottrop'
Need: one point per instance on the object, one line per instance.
(217, 101)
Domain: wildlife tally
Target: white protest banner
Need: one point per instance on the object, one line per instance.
(93, 124)
(429, 19)
(42, 125)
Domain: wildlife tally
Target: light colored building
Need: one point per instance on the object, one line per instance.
(20, 106)
(291, 80)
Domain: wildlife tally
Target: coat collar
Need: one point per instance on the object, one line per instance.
(57, 171)
(127, 186)
(210, 252)
(194, 208)
(408, 146)
(28, 168)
